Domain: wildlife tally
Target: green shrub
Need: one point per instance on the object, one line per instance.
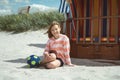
(25, 22)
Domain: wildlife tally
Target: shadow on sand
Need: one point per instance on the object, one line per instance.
(37, 45)
(22, 60)
(95, 62)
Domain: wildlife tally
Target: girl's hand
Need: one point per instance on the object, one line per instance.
(46, 54)
(49, 57)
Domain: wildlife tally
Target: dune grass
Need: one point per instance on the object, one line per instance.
(25, 22)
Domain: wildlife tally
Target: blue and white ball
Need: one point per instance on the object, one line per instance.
(33, 61)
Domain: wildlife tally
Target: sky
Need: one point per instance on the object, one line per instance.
(12, 6)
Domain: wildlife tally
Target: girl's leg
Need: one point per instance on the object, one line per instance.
(54, 64)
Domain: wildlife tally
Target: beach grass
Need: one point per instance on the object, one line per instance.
(25, 22)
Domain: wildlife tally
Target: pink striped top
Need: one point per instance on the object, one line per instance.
(61, 46)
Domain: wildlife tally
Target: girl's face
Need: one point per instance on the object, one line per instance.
(55, 30)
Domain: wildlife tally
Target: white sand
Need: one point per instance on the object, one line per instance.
(14, 48)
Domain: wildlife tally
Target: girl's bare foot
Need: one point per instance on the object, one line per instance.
(48, 58)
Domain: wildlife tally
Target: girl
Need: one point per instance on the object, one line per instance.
(57, 49)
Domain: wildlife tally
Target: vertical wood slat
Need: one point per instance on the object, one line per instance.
(84, 34)
(91, 31)
(108, 26)
(72, 16)
(96, 8)
(119, 21)
(99, 20)
(113, 20)
(74, 21)
(80, 24)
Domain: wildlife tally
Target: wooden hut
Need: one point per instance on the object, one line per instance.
(93, 27)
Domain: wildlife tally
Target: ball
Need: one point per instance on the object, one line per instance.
(87, 39)
(104, 39)
(33, 61)
(81, 39)
(112, 39)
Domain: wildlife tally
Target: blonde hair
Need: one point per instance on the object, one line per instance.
(49, 29)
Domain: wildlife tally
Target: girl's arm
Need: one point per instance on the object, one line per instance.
(67, 51)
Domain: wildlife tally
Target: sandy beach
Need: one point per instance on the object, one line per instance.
(15, 48)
